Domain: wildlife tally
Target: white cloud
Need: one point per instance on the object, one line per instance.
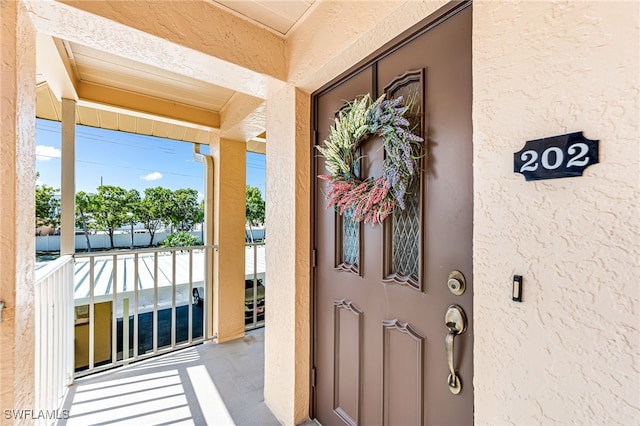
(152, 176)
(46, 153)
(200, 195)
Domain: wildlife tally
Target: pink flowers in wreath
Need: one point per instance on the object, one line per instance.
(372, 199)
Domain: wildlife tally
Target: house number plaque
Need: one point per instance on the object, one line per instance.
(556, 157)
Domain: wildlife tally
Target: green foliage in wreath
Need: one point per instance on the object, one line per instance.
(372, 199)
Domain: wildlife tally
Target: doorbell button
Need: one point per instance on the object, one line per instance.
(516, 291)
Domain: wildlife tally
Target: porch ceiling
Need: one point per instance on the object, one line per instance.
(280, 16)
(49, 108)
(121, 89)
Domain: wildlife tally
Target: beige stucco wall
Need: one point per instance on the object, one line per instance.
(339, 34)
(17, 186)
(229, 171)
(287, 334)
(569, 352)
(189, 38)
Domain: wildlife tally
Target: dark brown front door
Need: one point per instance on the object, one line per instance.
(381, 293)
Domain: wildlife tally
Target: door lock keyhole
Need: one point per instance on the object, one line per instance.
(456, 283)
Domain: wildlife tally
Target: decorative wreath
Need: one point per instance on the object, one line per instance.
(372, 199)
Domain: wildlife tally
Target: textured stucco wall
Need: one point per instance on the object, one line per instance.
(188, 38)
(287, 335)
(339, 34)
(569, 352)
(200, 26)
(17, 186)
(229, 182)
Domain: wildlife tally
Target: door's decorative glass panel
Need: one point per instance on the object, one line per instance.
(403, 232)
(406, 234)
(348, 236)
(348, 239)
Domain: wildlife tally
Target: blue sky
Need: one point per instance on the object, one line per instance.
(128, 160)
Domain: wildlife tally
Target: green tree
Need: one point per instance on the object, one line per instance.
(180, 239)
(199, 213)
(110, 209)
(134, 209)
(47, 206)
(254, 210)
(155, 208)
(184, 211)
(84, 207)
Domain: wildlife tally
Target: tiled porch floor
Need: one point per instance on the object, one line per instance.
(208, 384)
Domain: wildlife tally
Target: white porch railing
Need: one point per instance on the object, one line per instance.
(54, 334)
(129, 305)
(96, 311)
(254, 299)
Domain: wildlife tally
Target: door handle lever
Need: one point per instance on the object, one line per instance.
(456, 321)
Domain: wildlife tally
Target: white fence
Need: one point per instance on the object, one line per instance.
(140, 239)
(123, 240)
(54, 334)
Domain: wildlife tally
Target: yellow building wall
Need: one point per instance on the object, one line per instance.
(102, 335)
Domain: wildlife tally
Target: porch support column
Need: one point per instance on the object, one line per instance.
(287, 331)
(229, 199)
(67, 178)
(17, 208)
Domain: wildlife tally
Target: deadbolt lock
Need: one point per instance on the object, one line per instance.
(456, 283)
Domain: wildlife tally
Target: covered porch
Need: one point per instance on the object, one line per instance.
(213, 384)
(567, 354)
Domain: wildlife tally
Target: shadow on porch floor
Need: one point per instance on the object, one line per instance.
(208, 384)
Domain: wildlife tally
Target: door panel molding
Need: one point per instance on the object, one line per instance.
(347, 407)
(393, 388)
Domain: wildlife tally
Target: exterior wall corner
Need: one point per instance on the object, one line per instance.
(229, 184)
(287, 336)
(17, 186)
